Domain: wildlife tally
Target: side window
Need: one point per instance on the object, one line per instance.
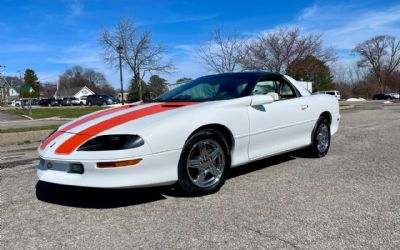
(263, 87)
(286, 91)
(282, 89)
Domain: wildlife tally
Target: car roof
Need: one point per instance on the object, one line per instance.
(246, 73)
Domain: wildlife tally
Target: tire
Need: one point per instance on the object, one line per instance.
(202, 177)
(320, 139)
(89, 103)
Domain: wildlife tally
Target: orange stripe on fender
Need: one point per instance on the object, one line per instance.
(76, 140)
(81, 121)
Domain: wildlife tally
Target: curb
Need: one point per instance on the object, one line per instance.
(27, 117)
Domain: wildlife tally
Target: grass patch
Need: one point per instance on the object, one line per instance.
(15, 130)
(39, 113)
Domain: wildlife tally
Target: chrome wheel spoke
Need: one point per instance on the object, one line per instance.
(194, 164)
(215, 171)
(203, 150)
(201, 177)
(214, 154)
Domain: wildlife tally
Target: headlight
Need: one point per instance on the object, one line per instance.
(112, 142)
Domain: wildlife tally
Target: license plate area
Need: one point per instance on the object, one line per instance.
(68, 167)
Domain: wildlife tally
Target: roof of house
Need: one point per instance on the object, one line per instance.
(23, 88)
(3, 82)
(71, 91)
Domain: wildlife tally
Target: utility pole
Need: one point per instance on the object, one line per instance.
(3, 91)
(120, 50)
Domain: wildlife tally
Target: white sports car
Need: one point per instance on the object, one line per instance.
(192, 135)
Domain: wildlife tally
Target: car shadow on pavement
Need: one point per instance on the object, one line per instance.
(95, 197)
(267, 162)
(112, 198)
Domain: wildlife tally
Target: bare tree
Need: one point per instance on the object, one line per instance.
(275, 50)
(222, 54)
(381, 55)
(138, 51)
(77, 76)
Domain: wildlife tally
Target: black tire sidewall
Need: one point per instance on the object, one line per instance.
(184, 181)
(314, 148)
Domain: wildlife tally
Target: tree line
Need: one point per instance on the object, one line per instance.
(283, 50)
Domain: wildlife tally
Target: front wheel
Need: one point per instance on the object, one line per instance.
(204, 163)
(321, 138)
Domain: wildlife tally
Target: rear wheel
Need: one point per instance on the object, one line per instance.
(89, 103)
(204, 163)
(321, 138)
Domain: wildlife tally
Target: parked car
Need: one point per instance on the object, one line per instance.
(68, 101)
(55, 102)
(100, 100)
(82, 99)
(45, 102)
(394, 95)
(382, 97)
(191, 135)
(331, 92)
(16, 103)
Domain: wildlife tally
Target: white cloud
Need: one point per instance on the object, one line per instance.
(308, 12)
(344, 26)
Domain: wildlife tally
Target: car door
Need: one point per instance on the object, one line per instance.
(281, 125)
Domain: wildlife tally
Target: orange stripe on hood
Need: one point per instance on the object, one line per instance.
(81, 121)
(76, 140)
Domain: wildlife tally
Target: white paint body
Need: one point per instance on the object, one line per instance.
(258, 132)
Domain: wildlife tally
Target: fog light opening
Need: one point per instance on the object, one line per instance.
(75, 168)
(117, 164)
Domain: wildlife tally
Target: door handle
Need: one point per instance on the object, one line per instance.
(304, 107)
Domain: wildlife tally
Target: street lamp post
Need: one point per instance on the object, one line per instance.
(120, 49)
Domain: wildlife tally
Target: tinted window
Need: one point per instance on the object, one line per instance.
(211, 88)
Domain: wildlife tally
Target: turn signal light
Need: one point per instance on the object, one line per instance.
(116, 164)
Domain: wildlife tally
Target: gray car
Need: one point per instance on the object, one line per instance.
(100, 100)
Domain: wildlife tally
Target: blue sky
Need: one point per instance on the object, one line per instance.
(51, 36)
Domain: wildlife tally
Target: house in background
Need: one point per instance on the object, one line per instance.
(4, 90)
(8, 93)
(77, 92)
(25, 91)
(13, 93)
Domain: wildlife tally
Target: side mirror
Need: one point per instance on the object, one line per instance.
(257, 100)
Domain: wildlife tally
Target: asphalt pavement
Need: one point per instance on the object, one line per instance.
(348, 200)
(8, 117)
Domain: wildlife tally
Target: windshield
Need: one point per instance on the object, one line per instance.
(211, 88)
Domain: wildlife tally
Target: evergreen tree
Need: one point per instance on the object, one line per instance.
(156, 86)
(31, 80)
(312, 69)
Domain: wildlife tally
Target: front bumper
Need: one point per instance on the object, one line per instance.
(153, 170)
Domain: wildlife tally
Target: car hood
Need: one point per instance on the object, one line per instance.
(110, 121)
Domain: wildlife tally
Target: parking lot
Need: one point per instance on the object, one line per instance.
(349, 199)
